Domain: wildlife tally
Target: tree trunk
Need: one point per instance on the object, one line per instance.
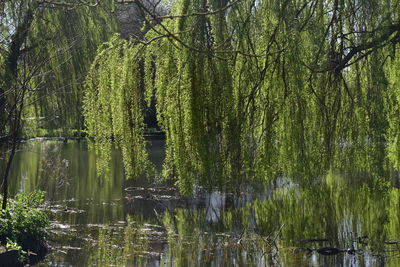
(6, 173)
(16, 108)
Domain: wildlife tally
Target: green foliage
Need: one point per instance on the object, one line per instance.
(23, 222)
(67, 41)
(112, 106)
(244, 99)
(195, 101)
(258, 89)
(392, 106)
(49, 49)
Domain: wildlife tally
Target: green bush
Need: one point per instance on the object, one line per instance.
(23, 222)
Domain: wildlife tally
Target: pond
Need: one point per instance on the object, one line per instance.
(111, 221)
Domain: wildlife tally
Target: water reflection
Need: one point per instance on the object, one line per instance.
(67, 172)
(105, 221)
(121, 248)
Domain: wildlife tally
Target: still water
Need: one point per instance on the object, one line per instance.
(111, 221)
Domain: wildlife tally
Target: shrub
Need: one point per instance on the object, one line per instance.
(24, 223)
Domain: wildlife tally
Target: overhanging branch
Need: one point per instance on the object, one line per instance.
(69, 4)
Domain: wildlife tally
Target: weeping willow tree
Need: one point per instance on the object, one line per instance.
(66, 38)
(247, 90)
(392, 104)
(59, 41)
(113, 106)
(43, 52)
(195, 98)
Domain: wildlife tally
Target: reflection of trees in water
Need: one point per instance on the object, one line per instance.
(40, 166)
(126, 248)
(53, 165)
(364, 217)
(67, 173)
(218, 229)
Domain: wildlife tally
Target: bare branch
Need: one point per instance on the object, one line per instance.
(68, 4)
(367, 48)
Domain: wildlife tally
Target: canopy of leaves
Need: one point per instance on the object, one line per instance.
(247, 90)
(49, 48)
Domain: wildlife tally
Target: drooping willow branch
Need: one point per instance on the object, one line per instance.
(112, 106)
(238, 104)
